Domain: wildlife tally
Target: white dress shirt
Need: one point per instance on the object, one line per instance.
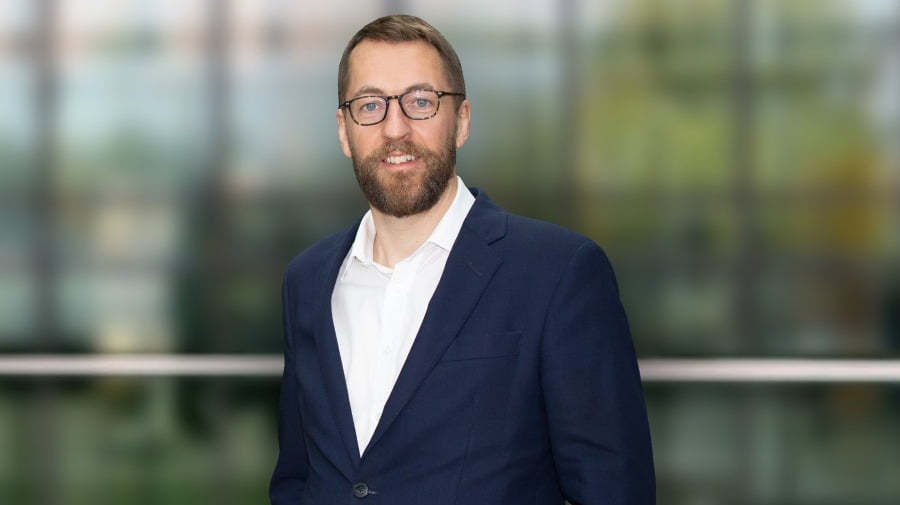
(377, 311)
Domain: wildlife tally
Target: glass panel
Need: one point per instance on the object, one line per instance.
(135, 441)
(735, 165)
(132, 97)
(18, 188)
(162, 440)
(16, 97)
(826, 177)
(786, 444)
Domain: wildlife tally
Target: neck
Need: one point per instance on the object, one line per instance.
(398, 237)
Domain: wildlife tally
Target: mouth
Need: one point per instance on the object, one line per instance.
(399, 159)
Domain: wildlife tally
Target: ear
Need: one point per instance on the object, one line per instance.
(462, 123)
(342, 133)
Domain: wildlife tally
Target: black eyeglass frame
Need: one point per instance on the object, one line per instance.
(387, 102)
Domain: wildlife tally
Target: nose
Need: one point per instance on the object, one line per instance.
(396, 124)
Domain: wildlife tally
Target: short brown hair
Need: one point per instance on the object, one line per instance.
(403, 28)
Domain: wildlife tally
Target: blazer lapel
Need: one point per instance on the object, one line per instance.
(329, 354)
(469, 269)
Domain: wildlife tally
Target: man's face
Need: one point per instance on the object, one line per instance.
(402, 165)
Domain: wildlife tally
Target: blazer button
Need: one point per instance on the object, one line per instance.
(360, 490)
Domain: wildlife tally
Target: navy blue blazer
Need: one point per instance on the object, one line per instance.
(521, 386)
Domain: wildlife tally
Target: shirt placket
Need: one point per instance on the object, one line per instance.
(393, 319)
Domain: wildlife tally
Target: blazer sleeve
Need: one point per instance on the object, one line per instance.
(597, 420)
(291, 469)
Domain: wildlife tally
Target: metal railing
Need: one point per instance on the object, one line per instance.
(747, 370)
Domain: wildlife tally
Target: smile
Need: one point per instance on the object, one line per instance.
(396, 160)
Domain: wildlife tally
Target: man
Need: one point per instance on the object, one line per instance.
(443, 351)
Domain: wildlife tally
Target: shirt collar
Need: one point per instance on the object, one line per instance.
(447, 229)
(365, 238)
(443, 235)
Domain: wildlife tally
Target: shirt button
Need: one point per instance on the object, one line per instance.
(360, 490)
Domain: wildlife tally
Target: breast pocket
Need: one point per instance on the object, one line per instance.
(484, 346)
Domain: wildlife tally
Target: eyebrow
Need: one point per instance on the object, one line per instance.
(372, 90)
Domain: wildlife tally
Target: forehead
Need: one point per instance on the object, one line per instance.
(393, 67)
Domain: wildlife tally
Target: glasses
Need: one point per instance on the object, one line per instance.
(417, 104)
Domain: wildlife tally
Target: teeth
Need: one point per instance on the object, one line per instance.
(399, 159)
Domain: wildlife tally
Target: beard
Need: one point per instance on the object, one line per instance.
(402, 194)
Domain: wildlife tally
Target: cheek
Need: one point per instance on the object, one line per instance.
(438, 139)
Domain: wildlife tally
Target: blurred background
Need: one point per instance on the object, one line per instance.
(162, 160)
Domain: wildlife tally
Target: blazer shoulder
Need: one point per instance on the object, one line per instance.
(529, 233)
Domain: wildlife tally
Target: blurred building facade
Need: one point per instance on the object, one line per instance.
(162, 160)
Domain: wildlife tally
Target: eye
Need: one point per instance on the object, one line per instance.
(368, 105)
(420, 101)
